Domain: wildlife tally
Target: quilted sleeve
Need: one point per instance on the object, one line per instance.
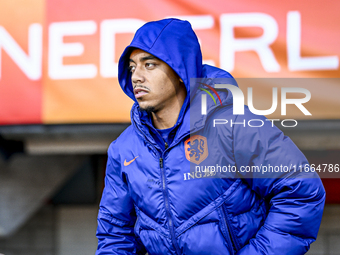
(116, 217)
(296, 197)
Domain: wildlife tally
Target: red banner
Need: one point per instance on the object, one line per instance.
(58, 58)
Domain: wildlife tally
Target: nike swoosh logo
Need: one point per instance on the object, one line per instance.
(129, 162)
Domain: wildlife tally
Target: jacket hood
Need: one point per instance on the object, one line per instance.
(172, 41)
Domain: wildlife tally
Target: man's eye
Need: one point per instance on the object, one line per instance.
(132, 68)
(148, 65)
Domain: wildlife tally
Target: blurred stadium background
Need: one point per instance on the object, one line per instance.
(61, 105)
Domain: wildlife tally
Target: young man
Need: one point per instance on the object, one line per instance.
(150, 204)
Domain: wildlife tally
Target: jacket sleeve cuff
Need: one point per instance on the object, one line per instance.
(268, 242)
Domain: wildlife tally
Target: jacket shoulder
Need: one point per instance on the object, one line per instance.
(123, 139)
(209, 71)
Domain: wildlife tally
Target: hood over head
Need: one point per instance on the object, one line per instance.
(172, 41)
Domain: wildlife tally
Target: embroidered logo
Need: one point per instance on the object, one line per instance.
(129, 162)
(196, 149)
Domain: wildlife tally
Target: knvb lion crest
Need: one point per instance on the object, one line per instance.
(196, 149)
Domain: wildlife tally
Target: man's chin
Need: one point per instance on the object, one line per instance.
(148, 109)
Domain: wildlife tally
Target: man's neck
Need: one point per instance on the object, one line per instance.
(167, 117)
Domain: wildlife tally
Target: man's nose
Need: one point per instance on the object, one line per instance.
(137, 76)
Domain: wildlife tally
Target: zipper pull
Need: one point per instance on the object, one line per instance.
(161, 162)
(166, 145)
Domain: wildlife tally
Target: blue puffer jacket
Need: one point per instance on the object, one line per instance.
(152, 202)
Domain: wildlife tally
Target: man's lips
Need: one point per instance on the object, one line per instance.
(139, 92)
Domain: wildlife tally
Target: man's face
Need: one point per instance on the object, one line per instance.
(156, 86)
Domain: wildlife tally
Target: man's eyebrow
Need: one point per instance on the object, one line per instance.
(147, 58)
(142, 59)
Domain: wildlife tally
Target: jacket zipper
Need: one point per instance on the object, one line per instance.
(230, 235)
(165, 194)
(167, 207)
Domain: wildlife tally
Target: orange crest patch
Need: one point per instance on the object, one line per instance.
(196, 149)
